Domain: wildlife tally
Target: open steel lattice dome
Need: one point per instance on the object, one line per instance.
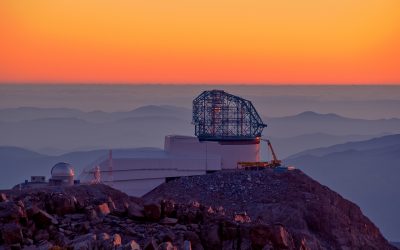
(220, 116)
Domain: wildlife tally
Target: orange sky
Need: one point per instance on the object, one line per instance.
(207, 41)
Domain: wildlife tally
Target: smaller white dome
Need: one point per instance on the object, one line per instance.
(62, 169)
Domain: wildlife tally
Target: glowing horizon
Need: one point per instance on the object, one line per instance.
(223, 42)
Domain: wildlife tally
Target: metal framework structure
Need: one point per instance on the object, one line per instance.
(220, 116)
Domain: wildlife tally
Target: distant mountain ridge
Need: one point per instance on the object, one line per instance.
(371, 144)
(33, 113)
(66, 130)
(312, 115)
(16, 152)
(311, 122)
(367, 172)
(328, 116)
(287, 146)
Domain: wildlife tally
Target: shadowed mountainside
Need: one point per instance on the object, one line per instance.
(311, 215)
(366, 172)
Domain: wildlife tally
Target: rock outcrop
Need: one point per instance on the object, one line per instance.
(225, 210)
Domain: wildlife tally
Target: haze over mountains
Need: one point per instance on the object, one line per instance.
(66, 130)
(366, 102)
(365, 172)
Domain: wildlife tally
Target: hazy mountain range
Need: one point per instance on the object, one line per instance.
(366, 172)
(61, 130)
(367, 102)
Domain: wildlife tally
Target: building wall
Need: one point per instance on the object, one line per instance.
(230, 154)
(184, 156)
(62, 180)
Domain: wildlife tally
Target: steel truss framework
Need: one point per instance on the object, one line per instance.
(220, 116)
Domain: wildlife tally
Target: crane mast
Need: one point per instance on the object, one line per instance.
(275, 160)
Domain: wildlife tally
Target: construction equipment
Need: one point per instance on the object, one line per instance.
(274, 163)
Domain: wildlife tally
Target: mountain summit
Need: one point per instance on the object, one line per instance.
(273, 210)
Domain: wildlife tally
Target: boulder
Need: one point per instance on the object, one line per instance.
(281, 238)
(167, 235)
(11, 212)
(84, 242)
(76, 216)
(103, 237)
(135, 211)
(187, 245)
(152, 211)
(59, 239)
(11, 234)
(168, 208)
(91, 214)
(260, 236)
(27, 241)
(168, 221)
(166, 246)
(41, 235)
(111, 204)
(61, 204)
(268, 246)
(45, 245)
(151, 244)
(194, 239)
(42, 219)
(3, 197)
(103, 240)
(116, 241)
(131, 245)
(103, 209)
(31, 210)
(31, 247)
(276, 235)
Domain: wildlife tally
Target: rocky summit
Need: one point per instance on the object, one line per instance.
(272, 210)
(224, 210)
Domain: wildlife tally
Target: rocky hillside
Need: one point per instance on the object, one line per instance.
(226, 210)
(272, 210)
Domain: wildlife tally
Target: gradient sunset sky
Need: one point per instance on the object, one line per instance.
(207, 41)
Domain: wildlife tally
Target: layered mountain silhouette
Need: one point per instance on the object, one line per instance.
(62, 130)
(365, 172)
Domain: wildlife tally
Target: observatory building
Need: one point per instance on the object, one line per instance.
(227, 129)
(62, 174)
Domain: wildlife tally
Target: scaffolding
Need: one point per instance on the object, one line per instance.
(220, 116)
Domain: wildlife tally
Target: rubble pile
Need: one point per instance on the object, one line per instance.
(224, 210)
(90, 217)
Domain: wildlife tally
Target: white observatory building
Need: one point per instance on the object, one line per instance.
(62, 174)
(227, 129)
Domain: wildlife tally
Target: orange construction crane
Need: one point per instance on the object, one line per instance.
(274, 163)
